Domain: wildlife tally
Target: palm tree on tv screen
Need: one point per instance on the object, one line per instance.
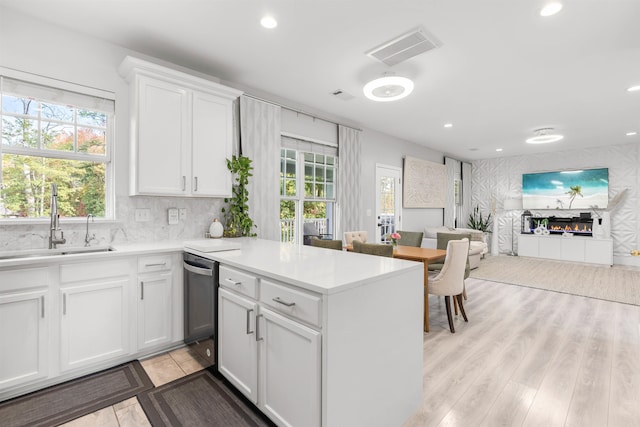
(574, 190)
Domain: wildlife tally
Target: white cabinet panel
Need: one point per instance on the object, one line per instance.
(580, 249)
(599, 251)
(237, 345)
(94, 322)
(162, 140)
(549, 248)
(572, 249)
(290, 371)
(212, 136)
(154, 309)
(24, 335)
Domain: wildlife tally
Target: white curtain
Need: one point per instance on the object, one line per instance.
(450, 213)
(349, 173)
(465, 208)
(260, 141)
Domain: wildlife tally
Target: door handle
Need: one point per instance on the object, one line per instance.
(249, 331)
(64, 304)
(184, 183)
(257, 327)
(142, 290)
(42, 306)
(195, 185)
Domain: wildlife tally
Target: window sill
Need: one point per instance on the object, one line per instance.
(46, 221)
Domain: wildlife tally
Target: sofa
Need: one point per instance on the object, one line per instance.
(477, 246)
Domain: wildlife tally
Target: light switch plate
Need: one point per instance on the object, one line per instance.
(173, 216)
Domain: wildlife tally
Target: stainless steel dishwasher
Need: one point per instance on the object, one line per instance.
(201, 306)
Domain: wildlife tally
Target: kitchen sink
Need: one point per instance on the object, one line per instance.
(33, 253)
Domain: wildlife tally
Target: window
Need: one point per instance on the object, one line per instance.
(307, 190)
(52, 135)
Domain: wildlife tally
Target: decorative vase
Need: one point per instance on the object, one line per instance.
(216, 229)
(394, 243)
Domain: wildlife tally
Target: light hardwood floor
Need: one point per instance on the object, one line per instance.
(530, 357)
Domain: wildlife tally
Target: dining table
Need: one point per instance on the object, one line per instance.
(425, 256)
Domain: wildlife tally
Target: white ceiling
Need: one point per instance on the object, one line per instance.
(502, 71)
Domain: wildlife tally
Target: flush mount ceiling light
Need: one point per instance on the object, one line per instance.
(388, 88)
(448, 125)
(633, 88)
(268, 21)
(544, 136)
(550, 9)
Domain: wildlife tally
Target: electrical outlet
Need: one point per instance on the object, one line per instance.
(143, 215)
(172, 216)
(183, 213)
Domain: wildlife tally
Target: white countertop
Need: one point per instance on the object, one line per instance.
(316, 269)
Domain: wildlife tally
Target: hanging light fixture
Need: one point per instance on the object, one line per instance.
(388, 88)
(544, 136)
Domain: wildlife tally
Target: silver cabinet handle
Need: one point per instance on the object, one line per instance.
(141, 290)
(279, 301)
(42, 306)
(64, 303)
(184, 183)
(258, 327)
(195, 185)
(233, 282)
(249, 331)
(156, 264)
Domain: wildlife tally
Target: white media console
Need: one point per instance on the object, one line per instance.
(575, 248)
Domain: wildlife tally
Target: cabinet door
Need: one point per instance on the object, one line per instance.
(599, 251)
(290, 370)
(527, 245)
(94, 324)
(161, 157)
(154, 309)
(23, 337)
(237, 346)
(572, 249)
(211, 145)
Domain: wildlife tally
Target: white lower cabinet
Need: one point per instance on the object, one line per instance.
(576, 248)
(154, 296)
(237, 345)
(269, 355)
(94, 312)
(289, 370)
(24, 326)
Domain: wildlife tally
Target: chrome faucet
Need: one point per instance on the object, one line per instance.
(55, 221)
(88, 238)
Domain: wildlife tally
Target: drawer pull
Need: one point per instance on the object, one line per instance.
(156, 264)
(279, 301)
(249, 331)
(233, 282)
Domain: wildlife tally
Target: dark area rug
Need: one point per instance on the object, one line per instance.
(198, 399)
(64, 402)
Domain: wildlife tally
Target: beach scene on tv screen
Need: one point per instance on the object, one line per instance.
(571, 189)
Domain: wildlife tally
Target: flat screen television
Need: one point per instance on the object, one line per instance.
(569, 189)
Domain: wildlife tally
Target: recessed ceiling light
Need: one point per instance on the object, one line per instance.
(448, 125)
(633, 88)
(388, 88)
(268, 21)
(498, 149)
(631, 133)
(550, 9)
(544, 136)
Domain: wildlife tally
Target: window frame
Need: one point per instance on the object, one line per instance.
(40, 151)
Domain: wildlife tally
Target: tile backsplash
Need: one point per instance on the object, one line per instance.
(125, 229)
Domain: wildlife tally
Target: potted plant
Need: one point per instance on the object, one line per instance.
(238, 223)
(479, 222)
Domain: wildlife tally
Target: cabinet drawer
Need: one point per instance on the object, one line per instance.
(151, 263)
(239, 281)
(295, 303)
(94, 270)
(21, 279)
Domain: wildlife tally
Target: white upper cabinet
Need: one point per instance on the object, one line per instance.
(181, 132)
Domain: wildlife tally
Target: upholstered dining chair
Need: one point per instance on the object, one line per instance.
(373, 249)
(442, 241)
(410, 238)
(328, 244)
(450, 281)
(350, 236)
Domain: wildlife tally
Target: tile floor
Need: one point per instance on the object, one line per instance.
(163, 368)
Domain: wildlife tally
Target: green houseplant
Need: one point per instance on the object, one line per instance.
(236, 215)
(478, 222)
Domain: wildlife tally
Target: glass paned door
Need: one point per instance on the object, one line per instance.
(388, 201)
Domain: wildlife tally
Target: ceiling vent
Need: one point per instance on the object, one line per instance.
(340, 94)
(406, 46)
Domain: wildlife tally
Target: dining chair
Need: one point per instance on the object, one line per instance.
(373, 249)
(309, 231)
(328, 244)
(350, 236)
(410, 238)
(450, 281)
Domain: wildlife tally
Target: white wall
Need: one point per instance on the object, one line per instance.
(493, 179)
(379, 148)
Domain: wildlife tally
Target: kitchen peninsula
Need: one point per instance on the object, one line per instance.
(314, 337)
